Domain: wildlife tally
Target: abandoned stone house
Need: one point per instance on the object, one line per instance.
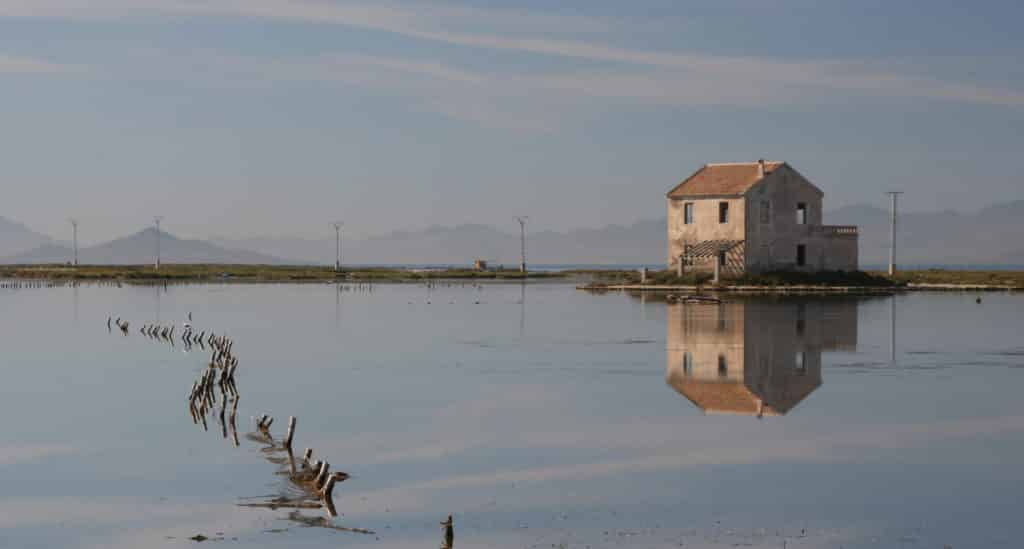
(754, 216)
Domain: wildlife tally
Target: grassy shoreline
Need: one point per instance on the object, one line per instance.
(930, 279)
(251, 273)
(594, 279)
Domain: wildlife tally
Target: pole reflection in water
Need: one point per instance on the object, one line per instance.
(74, 298)
(754, 357)
(522, 309)
(337, 306)
(892, 329)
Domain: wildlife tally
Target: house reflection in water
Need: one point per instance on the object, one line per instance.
(754, 357)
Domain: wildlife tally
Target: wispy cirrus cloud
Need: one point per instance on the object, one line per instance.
(11, 455)
(28, 65)
(633, 75)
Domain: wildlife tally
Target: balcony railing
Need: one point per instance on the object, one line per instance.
(836, 230)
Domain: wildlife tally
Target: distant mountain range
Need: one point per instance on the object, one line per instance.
(16, 238)
(138, 249)
(641, 242)
(993, 236)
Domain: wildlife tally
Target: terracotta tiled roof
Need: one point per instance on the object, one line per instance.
(722, 179)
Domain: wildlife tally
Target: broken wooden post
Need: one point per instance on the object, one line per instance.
(328, 488)
(449, 533)
(291, 432)
(307, 455)
(322, 477)
(234, 426)
(643, 275)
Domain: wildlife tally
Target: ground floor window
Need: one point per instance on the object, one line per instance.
(801, 255)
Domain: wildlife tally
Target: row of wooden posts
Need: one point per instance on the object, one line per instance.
(34, 284)
(312, 477)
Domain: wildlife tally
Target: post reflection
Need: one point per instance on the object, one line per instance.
(754, 357)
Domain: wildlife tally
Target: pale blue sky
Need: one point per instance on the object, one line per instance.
(245, 117)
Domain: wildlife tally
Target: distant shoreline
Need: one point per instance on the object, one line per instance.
(585, 279)
(174, 273)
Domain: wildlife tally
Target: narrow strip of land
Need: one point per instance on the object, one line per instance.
(631, 280)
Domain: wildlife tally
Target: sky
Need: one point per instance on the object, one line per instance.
(275, 117)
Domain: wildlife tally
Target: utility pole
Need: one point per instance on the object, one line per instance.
(157, 219)
(74, 229)
(337, 245)
(522, 242)
(892, 231)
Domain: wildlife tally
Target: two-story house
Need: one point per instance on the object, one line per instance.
(754, 216)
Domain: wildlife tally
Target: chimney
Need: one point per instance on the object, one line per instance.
(760, 168)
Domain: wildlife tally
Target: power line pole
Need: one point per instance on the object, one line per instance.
(74, 229)
(892, 231)
(522, 242)
(337, 245)
(157, 219)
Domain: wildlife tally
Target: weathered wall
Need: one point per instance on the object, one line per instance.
(772, 245)
(705, 224)
(841, 252)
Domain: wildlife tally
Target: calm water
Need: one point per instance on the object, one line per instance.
(540, 416)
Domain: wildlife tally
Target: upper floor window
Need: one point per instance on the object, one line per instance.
(801, 213)
(723, 212)
(766, 211)
(688, 213)
(723, 366)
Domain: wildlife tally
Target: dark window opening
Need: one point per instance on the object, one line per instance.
(688, 213)
(766, 211)
(723, 212)
(687, 363)
(722, 259)
(801, 319)
(801, 255)
(723, 367)
(801, 214)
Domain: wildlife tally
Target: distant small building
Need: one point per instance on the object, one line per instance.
(754, 216)
(480, 265)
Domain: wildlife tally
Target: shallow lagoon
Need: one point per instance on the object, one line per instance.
(537, 415)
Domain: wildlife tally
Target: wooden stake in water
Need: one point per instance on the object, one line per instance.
(290, 434)
(449, 533)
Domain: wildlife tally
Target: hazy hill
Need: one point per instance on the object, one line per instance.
(642, 242)
(991, 236)
(16, 238)
(138, 249)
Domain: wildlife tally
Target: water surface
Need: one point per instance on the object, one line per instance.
(536, 415)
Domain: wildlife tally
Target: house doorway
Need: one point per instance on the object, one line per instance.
(801, 255)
